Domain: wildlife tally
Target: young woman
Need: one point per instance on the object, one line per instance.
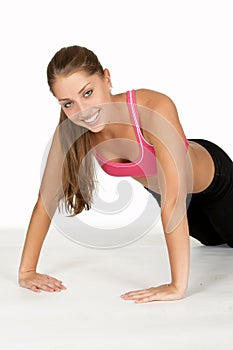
(137, 134)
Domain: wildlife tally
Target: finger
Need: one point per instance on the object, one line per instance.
(138, 296)
(47, 288)
(134, 292)
(52, 286)
(53, 279)
(147, 299)
(63, 287)
(54, 282)
(158, 297)
(35, 289)
(56, 288)
(60, 285)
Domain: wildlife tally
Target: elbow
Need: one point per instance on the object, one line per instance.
(45, 207)
(173, 211)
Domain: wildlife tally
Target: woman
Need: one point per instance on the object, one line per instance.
(138, 134)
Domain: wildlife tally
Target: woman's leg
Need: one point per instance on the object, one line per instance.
(215, 204)
(220, 213)
(200, 227)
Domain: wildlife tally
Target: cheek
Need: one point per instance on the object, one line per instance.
(104, 97)
(70, 115)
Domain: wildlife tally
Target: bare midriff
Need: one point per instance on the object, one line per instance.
(201, 173)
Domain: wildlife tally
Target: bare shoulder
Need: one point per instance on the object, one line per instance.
(160, 114)
(158, 102)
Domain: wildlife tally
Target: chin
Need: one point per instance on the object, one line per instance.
(98, 128)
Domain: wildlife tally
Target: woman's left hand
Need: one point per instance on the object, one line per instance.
(166, 292)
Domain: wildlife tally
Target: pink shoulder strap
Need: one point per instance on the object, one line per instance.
(131, 101)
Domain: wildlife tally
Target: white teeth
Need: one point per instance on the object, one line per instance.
(92, 119)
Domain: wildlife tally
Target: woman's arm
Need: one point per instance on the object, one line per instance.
(36, 233)
(39, 225)
(174, 171)
(162, 129)
(178, 245)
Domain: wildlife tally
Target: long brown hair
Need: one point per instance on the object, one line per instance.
(78, 170)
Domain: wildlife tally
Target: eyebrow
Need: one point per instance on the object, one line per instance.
(80, 91)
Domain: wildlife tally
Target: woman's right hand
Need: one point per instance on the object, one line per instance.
(38, 282)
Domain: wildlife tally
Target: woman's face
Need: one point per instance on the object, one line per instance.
(82, 96)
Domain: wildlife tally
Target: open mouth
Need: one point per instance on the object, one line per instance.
(91, 120)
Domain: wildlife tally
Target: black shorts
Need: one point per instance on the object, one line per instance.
(210, 212)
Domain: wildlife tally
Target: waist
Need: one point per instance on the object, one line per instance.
(216, 170)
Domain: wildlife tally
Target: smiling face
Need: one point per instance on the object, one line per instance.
(81, 96)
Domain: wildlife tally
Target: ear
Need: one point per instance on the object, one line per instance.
(108, 77)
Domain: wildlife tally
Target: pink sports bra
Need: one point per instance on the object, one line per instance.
(145, 165)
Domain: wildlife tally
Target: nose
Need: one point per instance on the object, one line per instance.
(82, 107)
(80, 111)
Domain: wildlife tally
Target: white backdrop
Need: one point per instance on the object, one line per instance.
(181, 48)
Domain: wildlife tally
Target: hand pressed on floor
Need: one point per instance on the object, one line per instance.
(38, 282)
(165, 292)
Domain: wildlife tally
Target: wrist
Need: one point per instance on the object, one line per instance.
(22, 271)
(181, 287)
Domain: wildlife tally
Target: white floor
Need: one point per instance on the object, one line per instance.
(91, 314)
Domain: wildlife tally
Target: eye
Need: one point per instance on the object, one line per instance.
(88, 93)
(67, 105)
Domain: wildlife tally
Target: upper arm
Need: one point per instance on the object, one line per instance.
(162, 128)
(51, 182)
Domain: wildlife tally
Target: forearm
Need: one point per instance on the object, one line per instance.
(36, 233)
(178, 245)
